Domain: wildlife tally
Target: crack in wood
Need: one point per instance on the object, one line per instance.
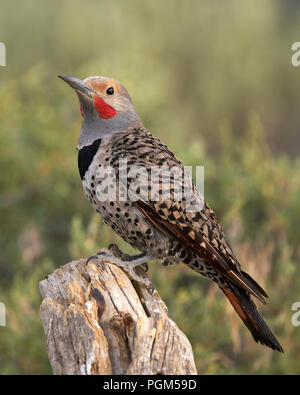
(93, 326)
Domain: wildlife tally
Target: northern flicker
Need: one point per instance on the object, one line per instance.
(164, 229)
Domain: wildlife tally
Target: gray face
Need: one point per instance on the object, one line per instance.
(105, 105)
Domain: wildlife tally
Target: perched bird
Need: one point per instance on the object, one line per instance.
(165, 229)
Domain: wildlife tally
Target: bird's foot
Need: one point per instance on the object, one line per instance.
(128, 266)
(125, 257)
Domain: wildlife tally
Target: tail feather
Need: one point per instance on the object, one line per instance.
(252, 283)
(249, 314)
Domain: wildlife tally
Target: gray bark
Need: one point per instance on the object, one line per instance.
(97, 321)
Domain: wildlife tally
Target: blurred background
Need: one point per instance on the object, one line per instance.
(214, 81)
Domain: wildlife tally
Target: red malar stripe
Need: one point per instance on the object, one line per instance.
(104, 110)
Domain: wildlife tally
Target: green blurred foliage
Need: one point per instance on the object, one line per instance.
(214, 81)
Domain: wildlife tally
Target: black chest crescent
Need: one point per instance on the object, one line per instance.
(86, 155)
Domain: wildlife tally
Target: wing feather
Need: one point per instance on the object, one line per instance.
(205, 250)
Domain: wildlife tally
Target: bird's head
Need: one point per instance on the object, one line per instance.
(105, 107)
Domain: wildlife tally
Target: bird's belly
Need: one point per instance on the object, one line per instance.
(127, 221)
(124, 217)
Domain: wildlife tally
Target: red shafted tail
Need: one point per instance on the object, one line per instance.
(249, 314)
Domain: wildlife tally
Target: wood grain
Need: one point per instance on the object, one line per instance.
(97, 321)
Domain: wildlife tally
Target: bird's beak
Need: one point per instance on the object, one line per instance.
(77, 84)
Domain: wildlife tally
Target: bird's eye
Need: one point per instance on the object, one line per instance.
(110, 90)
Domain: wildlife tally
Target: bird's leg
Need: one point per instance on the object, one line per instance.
(127, 265)
(113, 247)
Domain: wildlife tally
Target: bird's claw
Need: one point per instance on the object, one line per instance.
(91, 258)
(113, 247)
(100, 253)
(107, 255)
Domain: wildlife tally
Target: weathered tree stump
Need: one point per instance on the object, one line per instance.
(98, 321)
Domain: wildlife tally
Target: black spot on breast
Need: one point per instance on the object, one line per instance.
(86, 155)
